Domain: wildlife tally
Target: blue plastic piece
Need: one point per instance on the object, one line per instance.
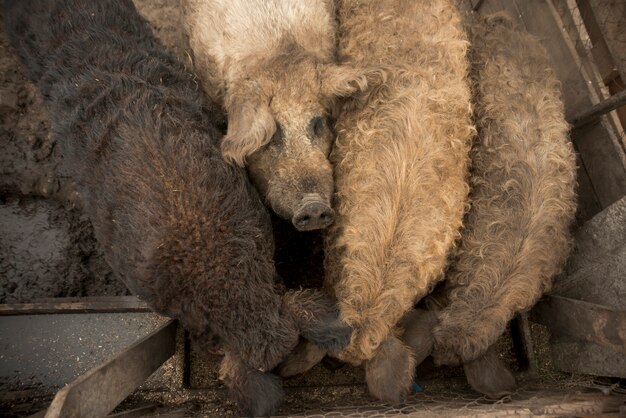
(417, 388)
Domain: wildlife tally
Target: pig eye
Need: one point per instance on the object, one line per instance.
(277, 138)
(318, 126)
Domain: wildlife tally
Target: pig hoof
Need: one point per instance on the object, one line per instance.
(389, 374)
(302, 358)
(256, 393)
(488, 375)
(418, 326)
(259, 396)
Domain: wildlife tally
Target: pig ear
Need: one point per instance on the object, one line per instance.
(351, 85)
(346, 81)
(250, 123)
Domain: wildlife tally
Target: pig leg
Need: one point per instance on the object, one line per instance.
(302, 358)
(418, 325)
(256, 393)
(389, 373)
(317, 317)
(488, 375)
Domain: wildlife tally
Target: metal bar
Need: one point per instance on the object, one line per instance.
(77, 305)
(583, 320)
(597, 110)
(97, 392)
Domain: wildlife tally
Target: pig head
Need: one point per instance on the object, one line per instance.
(279, 128)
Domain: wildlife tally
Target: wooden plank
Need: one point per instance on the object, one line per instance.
(611, 17)
(588, 204)
(615, 86)
(77, 305)
(583, 320)
(600, 50)
(85, 299)
(602, 161)
(606, 26)
(580, 23)
(97, 392)
(594, 112)
(523, 344)
(576, 356)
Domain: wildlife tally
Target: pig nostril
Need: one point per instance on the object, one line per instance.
(315, 215)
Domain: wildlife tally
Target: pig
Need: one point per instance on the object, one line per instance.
(516, 236)
(270, 62)
(183, 229)
(401, 168)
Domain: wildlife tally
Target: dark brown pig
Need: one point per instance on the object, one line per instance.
(184, 230)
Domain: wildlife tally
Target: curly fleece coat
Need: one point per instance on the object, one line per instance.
(400, 163)
(516, 237)
(184, 230)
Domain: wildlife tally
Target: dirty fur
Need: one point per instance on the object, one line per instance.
(272, 66)
(516, 236)
(317, 318)
(184, 230)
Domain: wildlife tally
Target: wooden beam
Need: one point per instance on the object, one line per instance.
(599, 109)
(97, 392)
(582, 26)
(583, 321)
(610, 16)
(523, 344)
(77, 305)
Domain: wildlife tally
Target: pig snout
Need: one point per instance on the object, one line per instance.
(313, 213)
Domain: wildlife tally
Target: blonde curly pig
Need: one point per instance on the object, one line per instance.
(400, 166)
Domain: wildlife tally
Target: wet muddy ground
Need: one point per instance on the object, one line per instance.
(47, 247)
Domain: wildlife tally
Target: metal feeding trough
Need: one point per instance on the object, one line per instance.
(113, 344)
